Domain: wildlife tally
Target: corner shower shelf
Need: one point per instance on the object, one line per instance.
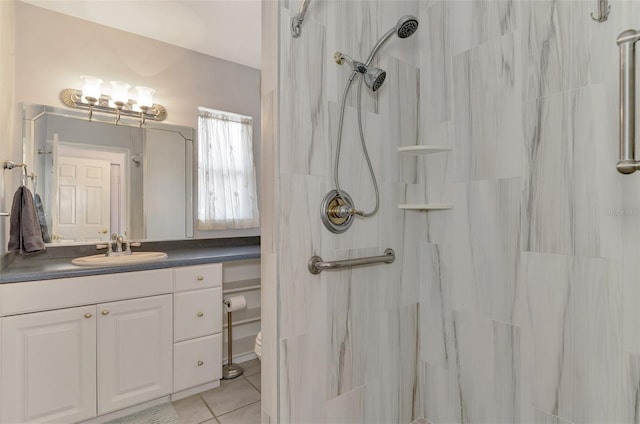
(425, 149)
(427, 206)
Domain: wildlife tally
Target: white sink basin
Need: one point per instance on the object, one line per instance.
(134, 258)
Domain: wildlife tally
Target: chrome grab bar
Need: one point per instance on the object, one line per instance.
(626, 41)
(317, 265)
(296, 21)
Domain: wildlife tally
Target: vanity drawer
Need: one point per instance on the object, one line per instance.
(197, 313)
(197, 362)
(198, 277)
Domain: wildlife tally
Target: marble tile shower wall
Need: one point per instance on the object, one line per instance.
(529, 289)
(348, 340)
(520, 304)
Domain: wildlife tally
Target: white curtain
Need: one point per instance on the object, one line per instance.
(227, 196)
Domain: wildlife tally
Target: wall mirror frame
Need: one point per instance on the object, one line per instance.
(96, 178)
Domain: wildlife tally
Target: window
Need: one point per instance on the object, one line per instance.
(226, 173)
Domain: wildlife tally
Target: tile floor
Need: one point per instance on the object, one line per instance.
(236, 401)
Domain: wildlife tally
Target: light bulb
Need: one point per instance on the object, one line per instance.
(145, 97)
(120, 93)
(91, 88)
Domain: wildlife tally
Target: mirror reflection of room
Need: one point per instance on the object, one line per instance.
(97, 179)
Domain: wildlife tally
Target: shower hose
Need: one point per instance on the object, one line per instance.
(336, 176)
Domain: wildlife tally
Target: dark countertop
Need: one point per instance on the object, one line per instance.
(53, 266)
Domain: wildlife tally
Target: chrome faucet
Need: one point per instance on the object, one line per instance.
(119, 241)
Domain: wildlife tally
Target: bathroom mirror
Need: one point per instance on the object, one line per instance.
(96, 178)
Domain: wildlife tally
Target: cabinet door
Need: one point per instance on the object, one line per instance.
(135, 345)
(49, 366)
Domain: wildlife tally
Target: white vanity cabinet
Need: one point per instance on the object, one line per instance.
(72, 363)
(73, 349)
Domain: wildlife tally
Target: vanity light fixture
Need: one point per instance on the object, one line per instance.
(117, 103)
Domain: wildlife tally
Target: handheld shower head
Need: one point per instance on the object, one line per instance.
(406, 27)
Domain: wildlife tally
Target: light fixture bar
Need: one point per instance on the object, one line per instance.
(73, 99)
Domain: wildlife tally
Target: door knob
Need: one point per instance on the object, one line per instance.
(88, 315)
(105, 312)
(200, 363)
(200, 314)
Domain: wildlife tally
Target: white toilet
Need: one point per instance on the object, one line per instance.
(257, 347)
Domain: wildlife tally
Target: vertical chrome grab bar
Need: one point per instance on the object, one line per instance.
(626, 41)
(296, 21)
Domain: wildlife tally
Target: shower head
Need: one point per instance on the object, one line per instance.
(373, 77)
(405, 27)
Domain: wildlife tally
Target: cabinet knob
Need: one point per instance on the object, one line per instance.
(200, 314)
(200, 278)
(88, 315)
(105, 312)
(200, 363)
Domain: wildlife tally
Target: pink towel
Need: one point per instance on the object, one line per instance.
(24, 229)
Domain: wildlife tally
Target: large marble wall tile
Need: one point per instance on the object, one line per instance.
(632, 392)
(399, 359)
(596, 344)
(301, 374)
(435, 68)
(399, 100)
(303, 108)
(269, 206)
(485, 239)
(487, 104)
(414, 231)
(270, 42)
(473, 352)
(554, 57)
(507, 372)
(629, 219)
(355, 29)
(440, 394)
(478, 21)
(572, 338)
(435, 325)
(269, 328)
(544, 418)
(353, 310)
(347, 408)
(299, 238)
(571, 181)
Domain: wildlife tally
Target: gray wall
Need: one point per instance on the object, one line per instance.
(521, 303)
(183, 79)
(9, 123)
